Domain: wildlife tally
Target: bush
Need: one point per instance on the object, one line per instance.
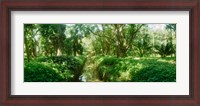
(106, 70)
(36, 72)
(110, 61)
(165, 49)
(159, 72)
(113, 69)
(69, 67)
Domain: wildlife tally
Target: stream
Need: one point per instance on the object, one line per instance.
(89, 70)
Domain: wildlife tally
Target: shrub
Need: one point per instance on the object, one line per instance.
(157, 72)
(141, 70)
(165, 49)
(36, 72)
(70, 67)
(106, 70)
(110, 61)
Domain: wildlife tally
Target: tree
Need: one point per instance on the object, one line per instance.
(30, 42)
(171, 27)
(78, 31)
(165, 49)
(53, 36)
(143, 45)
(116, 38)
(172, 32)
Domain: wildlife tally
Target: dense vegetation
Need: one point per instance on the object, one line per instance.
(100, 52)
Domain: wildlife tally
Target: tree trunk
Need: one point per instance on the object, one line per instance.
(26, 48)
(75, 47)
(59, 52)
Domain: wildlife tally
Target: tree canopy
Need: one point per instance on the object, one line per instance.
(104, 39)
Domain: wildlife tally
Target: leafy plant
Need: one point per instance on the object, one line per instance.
(160, 72)
(36, 72)
(106, 69)
(165, 49)
(141, 70)
(143, 45)
(70, 67)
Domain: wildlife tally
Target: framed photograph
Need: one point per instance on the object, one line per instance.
(123, 52)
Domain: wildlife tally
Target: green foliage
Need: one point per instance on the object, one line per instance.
(67, 68)
(36, 72)
(77, 32)
(143, 45)
(165, 49)
(52, 38)
(30, 41)
(171, 27)
(137, 70)
(156, 72)
(110, 61)
(106, 69)
(70, 67)
(110, 50)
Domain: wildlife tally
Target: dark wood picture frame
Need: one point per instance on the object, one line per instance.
(193, 6)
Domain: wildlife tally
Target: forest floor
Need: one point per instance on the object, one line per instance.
(89, 70)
